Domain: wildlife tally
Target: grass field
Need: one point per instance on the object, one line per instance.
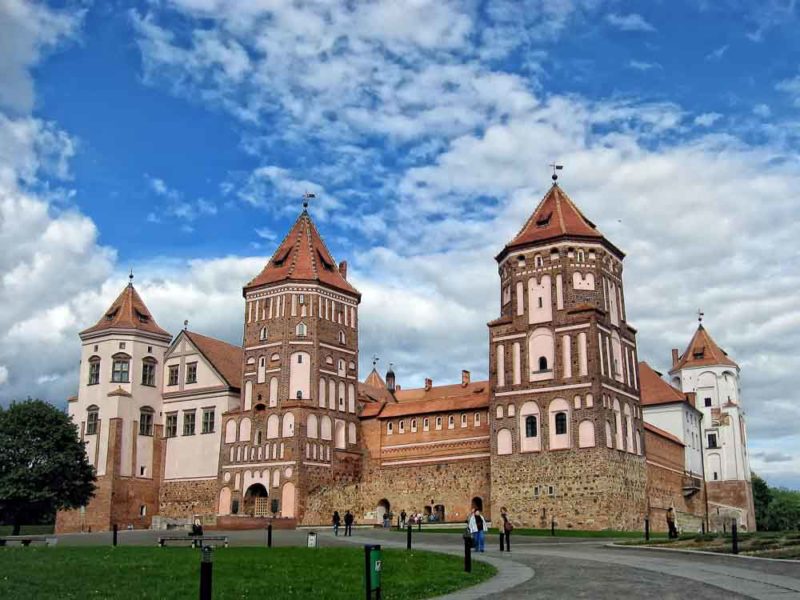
(765, 544)
(138, 572)
(27, 529)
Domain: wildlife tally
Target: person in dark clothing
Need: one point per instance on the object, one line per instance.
(673, 531)
(403, 517)
(507, 527)
(336, 521)
(348, 523)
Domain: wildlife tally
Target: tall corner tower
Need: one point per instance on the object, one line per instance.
(566, 421)
(706, 370)
(118, 414)
(297, 427)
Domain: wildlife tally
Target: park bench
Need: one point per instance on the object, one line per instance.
(27, 541)
(196, 542)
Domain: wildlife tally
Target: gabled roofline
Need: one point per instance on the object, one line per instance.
(187, 334)
(562, 237)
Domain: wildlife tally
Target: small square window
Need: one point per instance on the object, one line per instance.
(96, 347)
(708, 401)
(149, 349)
(122, 345)
(173, 375)
(142, 471)
(191, 372)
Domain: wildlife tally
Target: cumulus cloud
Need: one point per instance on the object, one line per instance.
(640, 65)
(707, 119)
(791, 87)
(630, 22)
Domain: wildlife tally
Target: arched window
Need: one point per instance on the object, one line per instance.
(94, 370)
(273, 426)
(121, 368)
(531, 426)
(351, 433)
(92, 418)
(146, 421)
(389, 428)
(301, 330)
(322, 388)
(342, 339)
(581, 256)
(586, 434)
(340, 368)
(499, 412)
(451, 422)
(463, 419)
(312, 426)
(511, 410)
(273, 392)
(325, 427)
(149, 371)
(262, 335)
(413, 425)
(561, 423)
(401, 426)
(288, 425)
(540, 354)
(538, 261)
(543, 363)
(504, 444)
(300, 375)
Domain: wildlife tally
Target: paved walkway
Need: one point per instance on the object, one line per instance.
(543, 567)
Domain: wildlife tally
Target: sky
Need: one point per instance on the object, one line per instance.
(177, 137)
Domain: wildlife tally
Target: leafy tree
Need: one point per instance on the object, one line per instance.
(762, 496)
(784, 510)
(43, 465)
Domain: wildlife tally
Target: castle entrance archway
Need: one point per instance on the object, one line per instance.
(477, 503)
(256, 501)
(382, 509)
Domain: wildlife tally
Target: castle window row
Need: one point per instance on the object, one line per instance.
(540, 356)
(173, 373)
(300, 305)
(189, 422)
(440, 422)
(579, 255)
(249, 452)
(121, 369)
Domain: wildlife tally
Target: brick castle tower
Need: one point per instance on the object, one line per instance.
(297, 427)
(567, 426)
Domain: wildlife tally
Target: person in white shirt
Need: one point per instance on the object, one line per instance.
(477, 527)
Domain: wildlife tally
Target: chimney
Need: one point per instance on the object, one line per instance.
(428, 383)
(674, 356)
(343, 268)
(464, 378)
(692, 398)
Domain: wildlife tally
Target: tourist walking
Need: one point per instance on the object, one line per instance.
(477, 527)
(506, 527)
(403, 516)
(336, 521)
(673, 531)
(348, 523)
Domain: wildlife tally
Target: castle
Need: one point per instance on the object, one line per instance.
(570, 428)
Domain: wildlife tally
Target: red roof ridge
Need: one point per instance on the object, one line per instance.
(128, 311)
(654, 390)
(226, 358)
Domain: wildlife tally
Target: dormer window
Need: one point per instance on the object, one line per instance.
(143, 318)
(111, 314)
(544, 220)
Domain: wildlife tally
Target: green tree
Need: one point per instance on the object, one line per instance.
(762, 496)
(784, 510)
(43, 465)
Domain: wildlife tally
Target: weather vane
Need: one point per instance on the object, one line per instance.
(185, 324)
(700, 315)
(306, 197)
(555, 167)
(130, 277)
(375, 360)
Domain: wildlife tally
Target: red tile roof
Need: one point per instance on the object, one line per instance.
(303, 256)
(372, 409)
(224, 357)
(447, 404)
(556, 216)
(662, 433)
(455, 390)
(703, 351)
(374, 379)
(128, 311)
(655, 390)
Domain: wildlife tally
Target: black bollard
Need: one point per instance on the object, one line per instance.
(269, 535)
(408, 537)
(502, 542)
(205, 573)
(647, 529)
(703, 526)
(114, 537)
(419, 524)
(735, 534)
(553, 526)
(467, 553)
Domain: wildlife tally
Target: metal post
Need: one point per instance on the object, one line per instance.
(205, 573)
(467, 553)
(367, 578)
(703, 526)
(647, 529)
(269, 535)
(735, 533)
(553, 526)
(408, 537)
(114, 538)
(502, 542)
(419, 523)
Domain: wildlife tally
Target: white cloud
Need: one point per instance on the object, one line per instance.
(643, 66)
(630, 22)
(717, 53)
(762, 110)
(707, 119)
(790, 86)
(3, 374)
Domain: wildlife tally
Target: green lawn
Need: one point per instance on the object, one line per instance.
(769, 544)
(140, 572)
(28, 529)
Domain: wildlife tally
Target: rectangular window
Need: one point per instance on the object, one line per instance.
(148, 373)
(91, 423)
(188, 422)
(142, 471)
(173, 375)
(120, 371)
(208, 421)
(708, 401)
(712, 440)
(191, 372)
(172, 425)
(94, 372)
(145, 423)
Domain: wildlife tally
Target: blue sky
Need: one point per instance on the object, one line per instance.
(176, 137)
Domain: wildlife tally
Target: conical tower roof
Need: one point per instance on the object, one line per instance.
(128, 311)
(303, 256)
(556, 216)
(703, 351)
(374, 379)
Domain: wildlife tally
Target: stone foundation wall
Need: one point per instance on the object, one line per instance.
(96, 516)
(728, 500)
(184, 499)
(592, 489)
